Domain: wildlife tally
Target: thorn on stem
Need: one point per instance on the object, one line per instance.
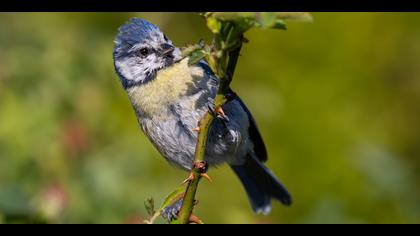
(195, 219)
(202, 168)
(206, 176)
(189, 179)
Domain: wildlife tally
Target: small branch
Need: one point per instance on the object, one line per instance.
(222, 56)
(223, 63)
(153, 218)
(185, 213)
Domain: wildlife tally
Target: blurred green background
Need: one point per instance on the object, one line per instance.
(337, 102)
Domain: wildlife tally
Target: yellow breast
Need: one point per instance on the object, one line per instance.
(154, 97)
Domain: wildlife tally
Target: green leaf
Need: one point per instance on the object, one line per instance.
(196, 56)
(195, 52)
(266, 19)
(149, 204)
(214, 25)
(188, 50)
(172, 197)
(297, 16)
(279, 24)
(232, 16)
(246, 20)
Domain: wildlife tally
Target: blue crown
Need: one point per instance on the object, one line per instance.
(135, 31)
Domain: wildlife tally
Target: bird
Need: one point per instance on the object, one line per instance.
(169, 97)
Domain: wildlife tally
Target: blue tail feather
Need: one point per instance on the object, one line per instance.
(261, 185)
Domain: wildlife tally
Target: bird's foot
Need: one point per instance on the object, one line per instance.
(221, 113)
(218, 112)
(197, 129)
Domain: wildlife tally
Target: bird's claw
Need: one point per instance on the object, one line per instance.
(218, 112)
(221, 113)
(197, 129)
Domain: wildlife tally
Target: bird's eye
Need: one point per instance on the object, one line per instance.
(144, 52)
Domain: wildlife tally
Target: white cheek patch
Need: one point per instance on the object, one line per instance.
(151, 64)
(136, 68)
(130, 69)
(124, 69)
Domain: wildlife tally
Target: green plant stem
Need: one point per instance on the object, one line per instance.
(188, 202)
(189, 197)
(224, 68)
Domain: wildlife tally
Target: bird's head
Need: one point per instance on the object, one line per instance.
(141, 49)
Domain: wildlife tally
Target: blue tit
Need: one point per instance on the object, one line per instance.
(169, 98)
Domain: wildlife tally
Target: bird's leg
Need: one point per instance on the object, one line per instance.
(221, 113)
(197, 129)
(217, 111)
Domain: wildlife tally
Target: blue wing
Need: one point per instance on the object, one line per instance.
(254, 134)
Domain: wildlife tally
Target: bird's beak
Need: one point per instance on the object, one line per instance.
(167, 49)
